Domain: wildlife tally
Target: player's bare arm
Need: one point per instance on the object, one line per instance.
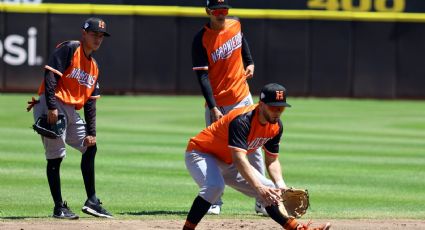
(269, 195)
(275, 171)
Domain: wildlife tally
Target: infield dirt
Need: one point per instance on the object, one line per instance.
(228, 224)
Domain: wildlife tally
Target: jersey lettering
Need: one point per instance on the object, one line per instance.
(82, 77)
(257, 142)
(225, 50)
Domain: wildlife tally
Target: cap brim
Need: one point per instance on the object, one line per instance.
(219, 7)
(279, 104)
(106, 34)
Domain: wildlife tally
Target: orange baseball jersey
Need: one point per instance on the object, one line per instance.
(220, 53)
(78, 74)
(240, 129)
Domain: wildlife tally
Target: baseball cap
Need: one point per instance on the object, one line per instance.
(218, 4)
(274, 94)
(95, 25)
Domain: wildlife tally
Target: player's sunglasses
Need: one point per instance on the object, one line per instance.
(219, 12)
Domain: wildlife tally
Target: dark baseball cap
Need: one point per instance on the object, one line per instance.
(274, 94)
(218, 4)
(95, 25)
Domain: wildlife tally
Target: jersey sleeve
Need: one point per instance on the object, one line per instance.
(61, 58)
(96, 91)
(246, 52)
(199, 54)
(271, 147)
(238, 133)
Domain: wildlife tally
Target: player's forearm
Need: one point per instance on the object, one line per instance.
(275, 171)
(90, 116)
(246, 53)
(206, 88)
(50, 83)
(245, 168)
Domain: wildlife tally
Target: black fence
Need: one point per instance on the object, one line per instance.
(329, 58)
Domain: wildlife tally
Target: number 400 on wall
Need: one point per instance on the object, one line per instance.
(358, 5)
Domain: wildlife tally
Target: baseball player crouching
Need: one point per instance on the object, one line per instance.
(217, 156)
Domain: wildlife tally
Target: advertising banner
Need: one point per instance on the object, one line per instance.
(23, 50)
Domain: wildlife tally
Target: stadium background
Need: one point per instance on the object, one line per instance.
(331, 48)
(362, 160)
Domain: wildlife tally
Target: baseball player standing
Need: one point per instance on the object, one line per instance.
(217, 156)
(71, 83)
(219, 52)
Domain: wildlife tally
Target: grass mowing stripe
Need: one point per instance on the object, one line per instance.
(352, 139)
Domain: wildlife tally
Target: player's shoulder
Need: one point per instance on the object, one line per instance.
(243, 114)
(67, 47)
(280, 124)
(69, 44)
(94, 61)
(200, 33)
(233, 19)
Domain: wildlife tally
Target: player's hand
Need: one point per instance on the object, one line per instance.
(249, 71)
(89, 141)
(215, 114)
(52, 116)
(270, 196)
(283, 189)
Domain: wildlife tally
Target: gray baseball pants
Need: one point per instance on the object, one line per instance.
(74, 134)
(212, 175)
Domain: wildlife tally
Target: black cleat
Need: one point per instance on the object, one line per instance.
(64, 212)
(95, 209)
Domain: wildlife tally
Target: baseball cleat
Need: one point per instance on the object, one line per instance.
(214, 209)
(259, 209)
(64, 212)
(95, 209)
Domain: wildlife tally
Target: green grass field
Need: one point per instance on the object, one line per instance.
(358, 158)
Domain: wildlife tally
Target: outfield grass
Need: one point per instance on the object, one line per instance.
(358, 158)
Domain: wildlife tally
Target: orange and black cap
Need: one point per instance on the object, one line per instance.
(95, 25)
(218, 4)
(274, 94)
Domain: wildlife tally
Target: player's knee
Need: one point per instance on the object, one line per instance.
(54, 164)
(212, 192)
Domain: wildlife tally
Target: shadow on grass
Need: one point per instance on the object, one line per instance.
(152, 213)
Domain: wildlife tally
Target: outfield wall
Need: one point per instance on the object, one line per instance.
(312, 52)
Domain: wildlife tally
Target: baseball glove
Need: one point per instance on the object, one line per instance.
(295, 202)
(45, 129)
